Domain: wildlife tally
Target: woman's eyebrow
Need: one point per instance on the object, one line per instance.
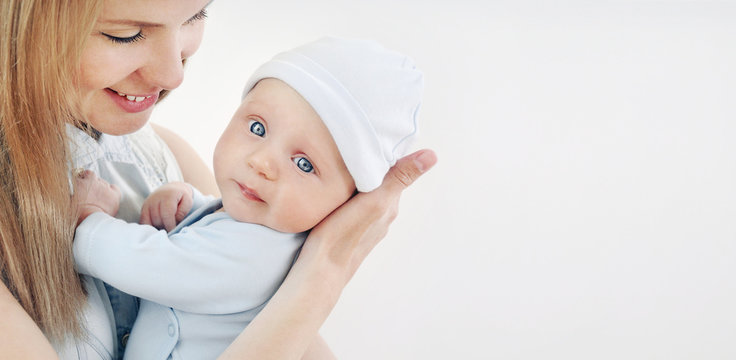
(131, 23)
(145, 23)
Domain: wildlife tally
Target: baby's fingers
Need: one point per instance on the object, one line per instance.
(168, 211)
(156, 216)
(145, 215)
(183, 208)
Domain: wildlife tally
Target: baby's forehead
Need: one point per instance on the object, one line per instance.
(273, 85)
(284, 110)
(275, 95)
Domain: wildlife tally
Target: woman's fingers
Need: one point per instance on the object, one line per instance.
(407, 170)
(349, 234)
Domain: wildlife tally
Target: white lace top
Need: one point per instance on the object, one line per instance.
(137, 163)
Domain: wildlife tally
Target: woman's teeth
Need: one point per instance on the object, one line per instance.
(133, 98)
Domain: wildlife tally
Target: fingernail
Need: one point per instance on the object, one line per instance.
(419, 163)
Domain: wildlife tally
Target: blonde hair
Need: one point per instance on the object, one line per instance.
(40, 48)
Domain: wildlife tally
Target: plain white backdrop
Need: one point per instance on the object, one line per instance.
(584, 203)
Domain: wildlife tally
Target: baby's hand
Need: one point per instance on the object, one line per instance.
(167, 206)
(92, 194)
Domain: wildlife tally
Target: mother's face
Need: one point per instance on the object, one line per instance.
(135, 51)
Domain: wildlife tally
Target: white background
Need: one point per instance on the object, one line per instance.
(584, 203)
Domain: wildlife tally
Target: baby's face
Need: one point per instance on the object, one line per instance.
(276, 163)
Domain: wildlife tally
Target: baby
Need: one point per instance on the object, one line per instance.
(316, 124)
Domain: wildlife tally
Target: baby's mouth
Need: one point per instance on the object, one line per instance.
(250, 193)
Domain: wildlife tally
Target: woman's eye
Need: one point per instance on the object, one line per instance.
(125, 40)
(257, 128)
(303, 164)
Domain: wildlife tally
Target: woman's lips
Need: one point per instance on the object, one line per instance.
(249, 193)
(132, 103)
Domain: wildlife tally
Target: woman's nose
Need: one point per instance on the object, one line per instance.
(263, 164)
(168, 73)
(165, 67)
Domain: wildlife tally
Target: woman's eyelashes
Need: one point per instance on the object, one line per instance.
(139, 36)
(125, 40)
(197, 17)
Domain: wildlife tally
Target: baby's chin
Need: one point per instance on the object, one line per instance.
(288, 228)
(279, 225)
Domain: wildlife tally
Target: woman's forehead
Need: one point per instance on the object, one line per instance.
(150, 13)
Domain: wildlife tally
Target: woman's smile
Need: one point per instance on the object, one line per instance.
(132, 103)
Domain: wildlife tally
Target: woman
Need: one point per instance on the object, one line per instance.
(101, 66)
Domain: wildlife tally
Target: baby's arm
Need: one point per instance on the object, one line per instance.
(199, 270)
(92, 194)
(167, 206)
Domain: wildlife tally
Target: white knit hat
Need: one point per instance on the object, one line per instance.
(367, 96)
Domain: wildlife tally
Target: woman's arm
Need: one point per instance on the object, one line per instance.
(194, 170)
(319, 350)
(20, 338)
(332, 253)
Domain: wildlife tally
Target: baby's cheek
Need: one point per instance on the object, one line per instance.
(301, 217)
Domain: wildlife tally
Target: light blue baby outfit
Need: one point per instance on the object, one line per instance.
(199, 285)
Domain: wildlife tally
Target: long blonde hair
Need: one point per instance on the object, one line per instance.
(40, 47)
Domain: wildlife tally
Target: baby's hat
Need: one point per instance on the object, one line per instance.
(367, 95)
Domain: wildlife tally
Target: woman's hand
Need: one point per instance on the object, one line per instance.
(334, 250)
(348, 235)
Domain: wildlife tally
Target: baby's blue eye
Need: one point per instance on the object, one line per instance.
(303, 164)
(257, 128)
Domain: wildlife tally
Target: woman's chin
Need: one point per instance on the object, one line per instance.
(121, 125)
